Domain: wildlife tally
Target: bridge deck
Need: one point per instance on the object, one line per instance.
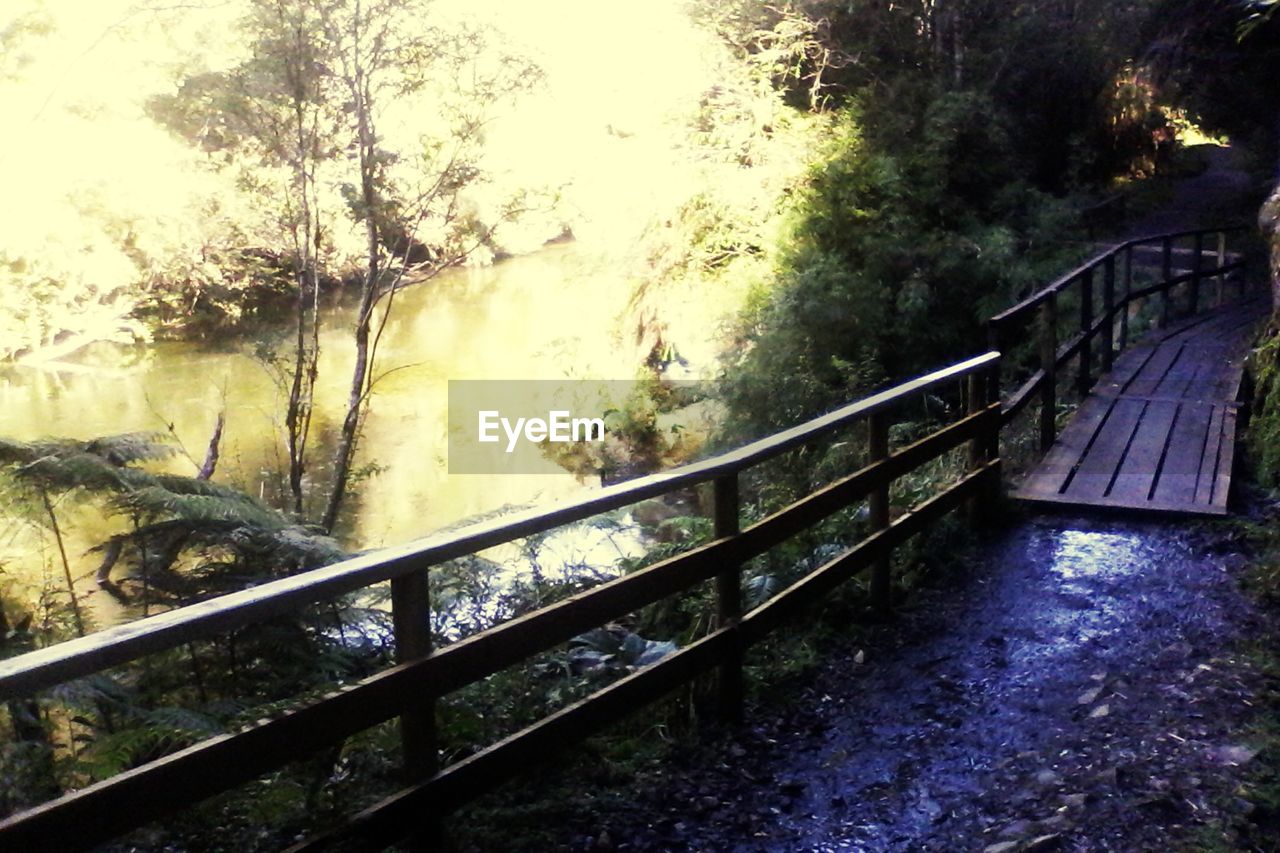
(1158, 432)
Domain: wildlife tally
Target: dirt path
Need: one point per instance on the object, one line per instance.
(1076, 690)
(1206, 199)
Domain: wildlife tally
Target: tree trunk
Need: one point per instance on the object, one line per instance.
(358, 394)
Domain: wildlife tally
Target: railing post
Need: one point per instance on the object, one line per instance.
(1048, 364)
(729, 599)
(993, 378)
(1243, 278)
(1166, 273)
(1108, 310)
(411, 623)
(1083, 378)
(1197, 266)
(878, 449)
(1222, 261)
(1128, 288)
(977, 402)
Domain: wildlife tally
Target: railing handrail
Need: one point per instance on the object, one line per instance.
(83, 656)
(1097, 260)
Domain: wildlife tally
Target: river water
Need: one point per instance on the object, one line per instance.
(550, 315)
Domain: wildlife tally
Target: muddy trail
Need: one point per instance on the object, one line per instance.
(1077, 687)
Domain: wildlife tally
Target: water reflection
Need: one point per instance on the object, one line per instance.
(551, 315)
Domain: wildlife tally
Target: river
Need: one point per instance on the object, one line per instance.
(549, 315)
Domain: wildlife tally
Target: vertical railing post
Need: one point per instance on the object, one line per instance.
(1243, 278)
(1048, 364)
(1109, 311)
(977, 402)
(878, 449)
(1124, 301)
(993, 378)
(729, 599)
(1166, 273)
(1084, 378)
(1222, 261)
(1197, 267)
(411, 623)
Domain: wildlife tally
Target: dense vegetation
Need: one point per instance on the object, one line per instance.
(872, 179)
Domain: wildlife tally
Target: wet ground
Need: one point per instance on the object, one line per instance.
(1077, 688)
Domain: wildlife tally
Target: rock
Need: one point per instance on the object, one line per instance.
(1100, 711)
(1046, 777)
(1232, 755)
(1175, 652)
(1089, 696)
(652, 512)
(1002, 847)
(1043, 843)
(1075, 801)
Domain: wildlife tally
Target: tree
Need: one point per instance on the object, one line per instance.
(362, 117)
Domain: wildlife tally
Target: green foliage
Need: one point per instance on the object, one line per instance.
(218, 533)
(1264, 424)
(896, 256)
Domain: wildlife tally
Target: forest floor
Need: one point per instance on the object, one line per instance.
(1074, 684)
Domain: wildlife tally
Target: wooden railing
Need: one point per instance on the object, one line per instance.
(422, 675)
(1102, 292)
(409, 689)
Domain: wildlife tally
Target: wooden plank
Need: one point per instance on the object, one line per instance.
(1093, 477)
(1180, 381)
(1222, 485)
(1137, 474)
(1207, 479)
(1153, 372)
(1050, 476)
(1181, 471)
(1111, 504)
(1127, 365)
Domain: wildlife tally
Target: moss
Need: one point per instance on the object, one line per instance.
(1264, 430)
(1264, 369)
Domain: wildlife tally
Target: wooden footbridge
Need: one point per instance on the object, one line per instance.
(1155, 434)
